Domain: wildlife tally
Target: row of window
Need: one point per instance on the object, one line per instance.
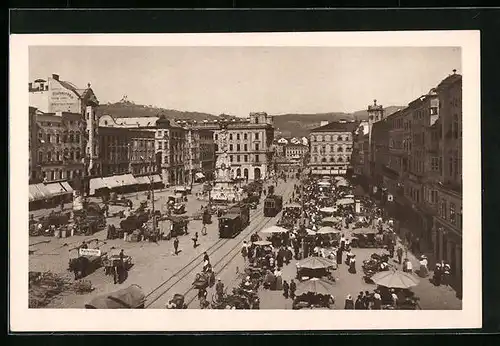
(59, 124)
(238, 136)
(59, 156)
(449, 212)
(328, 138)
(238, 147)
(70, 137)
(232, 158)
(59, 174)
(331, 148)
(332, 159)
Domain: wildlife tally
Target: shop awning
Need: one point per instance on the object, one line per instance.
(67, 187)
(97, 183)
(142, 180)
(44, 191)
(111, 182)
(34, 193)
(55, 189)
(157, 178)
(129, 179)
(199, 175)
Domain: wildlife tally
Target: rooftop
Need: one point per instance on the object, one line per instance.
(337, 127)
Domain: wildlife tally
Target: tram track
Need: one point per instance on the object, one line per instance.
(191, 267)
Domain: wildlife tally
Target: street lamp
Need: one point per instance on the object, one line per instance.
(152, 195)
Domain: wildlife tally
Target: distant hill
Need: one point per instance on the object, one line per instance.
(290, 125)
(298, 125)
(127, 109)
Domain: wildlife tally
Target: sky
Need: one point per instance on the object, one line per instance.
(240, 80)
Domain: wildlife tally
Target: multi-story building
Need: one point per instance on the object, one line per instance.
(33, 142)
(126, 150)
(375, 114)
(448, 220)
(331, 148)
(423, 169)
(249, 145)
(207, 154)
(295, 151)
(192, 155)
(55, 96)
(60, 147)
(153, 143)
(359, 149)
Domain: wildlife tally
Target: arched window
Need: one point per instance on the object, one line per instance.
(340, 159)
(327, 138)
(339, 149)
(71, 137)
(332, 159)
(323, 159)
(320, 138)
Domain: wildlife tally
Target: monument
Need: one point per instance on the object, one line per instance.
(224, 188)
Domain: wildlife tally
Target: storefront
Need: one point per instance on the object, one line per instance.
(448, 246)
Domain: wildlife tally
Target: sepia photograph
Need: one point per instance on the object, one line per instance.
(160, 173)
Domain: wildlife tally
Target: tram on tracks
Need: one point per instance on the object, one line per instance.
(234, 220)
(273, 205)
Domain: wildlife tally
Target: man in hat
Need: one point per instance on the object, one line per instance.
(437, 274)
(219, 289)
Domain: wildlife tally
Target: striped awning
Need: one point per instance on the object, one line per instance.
(67, 187)
(56, 189)
(34, 193)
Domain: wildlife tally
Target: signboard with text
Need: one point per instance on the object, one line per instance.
(89, 252)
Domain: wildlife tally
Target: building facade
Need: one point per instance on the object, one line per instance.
(447, 230)
(154, 143)
(331, 148)
(54, 97)
(250, 146)
(60, 147)
(125, 150)
(33, 142)
(421, 169)
(207, 154)
(295, 151)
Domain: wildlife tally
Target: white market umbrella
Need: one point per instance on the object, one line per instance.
(345, 201)
(395, 279)
(274, 229)
(328, 210)
(327, 230)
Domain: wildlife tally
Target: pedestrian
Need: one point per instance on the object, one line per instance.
(339, 255)
(349, 304)
(399, 252)
(358, 304)
(244, 251)
(367, 300)
(423, 270)
(391, 249)
(219, 289)
(446, 275)
(342, 243)
(352, 265)
(176, 245)
(436, 278)
(205, 257)
(285, 289)
(394, 298)
(62, 205)
(293, 288)
(377, 301)
(195, 240)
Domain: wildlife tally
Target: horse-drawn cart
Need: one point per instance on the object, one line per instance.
(84, 261)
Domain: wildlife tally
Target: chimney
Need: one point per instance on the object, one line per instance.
(454, 71)
(55, 76)
(324, 122)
